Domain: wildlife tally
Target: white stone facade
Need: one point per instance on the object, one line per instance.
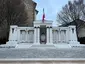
(19, 36)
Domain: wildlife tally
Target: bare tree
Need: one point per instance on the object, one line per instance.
(71, 12)
(16, 14)
(12, 12)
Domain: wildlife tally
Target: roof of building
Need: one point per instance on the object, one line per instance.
(35, 4)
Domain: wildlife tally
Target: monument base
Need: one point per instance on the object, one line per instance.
(38, 45)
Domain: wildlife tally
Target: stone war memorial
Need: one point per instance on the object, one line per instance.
(42, 44)
(42, 35)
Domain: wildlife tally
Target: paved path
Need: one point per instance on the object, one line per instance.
(43, 53)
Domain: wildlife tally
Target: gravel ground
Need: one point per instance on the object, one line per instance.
(43, 53)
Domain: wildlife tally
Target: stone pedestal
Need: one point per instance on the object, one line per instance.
(13, 38)
(73, 36)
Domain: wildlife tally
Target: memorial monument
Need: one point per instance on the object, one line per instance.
(42, 34)
(42, 44)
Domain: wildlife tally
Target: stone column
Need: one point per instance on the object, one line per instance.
(59, 36)
(51, 42)
(48, 35)
(18, 35)
(67, 36)
(27, 35)
(38, 30)
(35, 35)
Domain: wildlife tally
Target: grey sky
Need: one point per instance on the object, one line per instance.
(52, 7)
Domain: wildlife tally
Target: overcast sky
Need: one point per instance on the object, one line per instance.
(51, 7)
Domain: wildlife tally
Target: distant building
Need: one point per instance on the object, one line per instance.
(31, 10)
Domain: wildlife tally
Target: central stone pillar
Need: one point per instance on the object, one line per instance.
(48, 41)
(51, 42)
(49, 35)
(36, 35)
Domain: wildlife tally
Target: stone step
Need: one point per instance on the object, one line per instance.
(42, 46)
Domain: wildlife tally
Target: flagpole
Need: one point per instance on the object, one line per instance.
(43, 17)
